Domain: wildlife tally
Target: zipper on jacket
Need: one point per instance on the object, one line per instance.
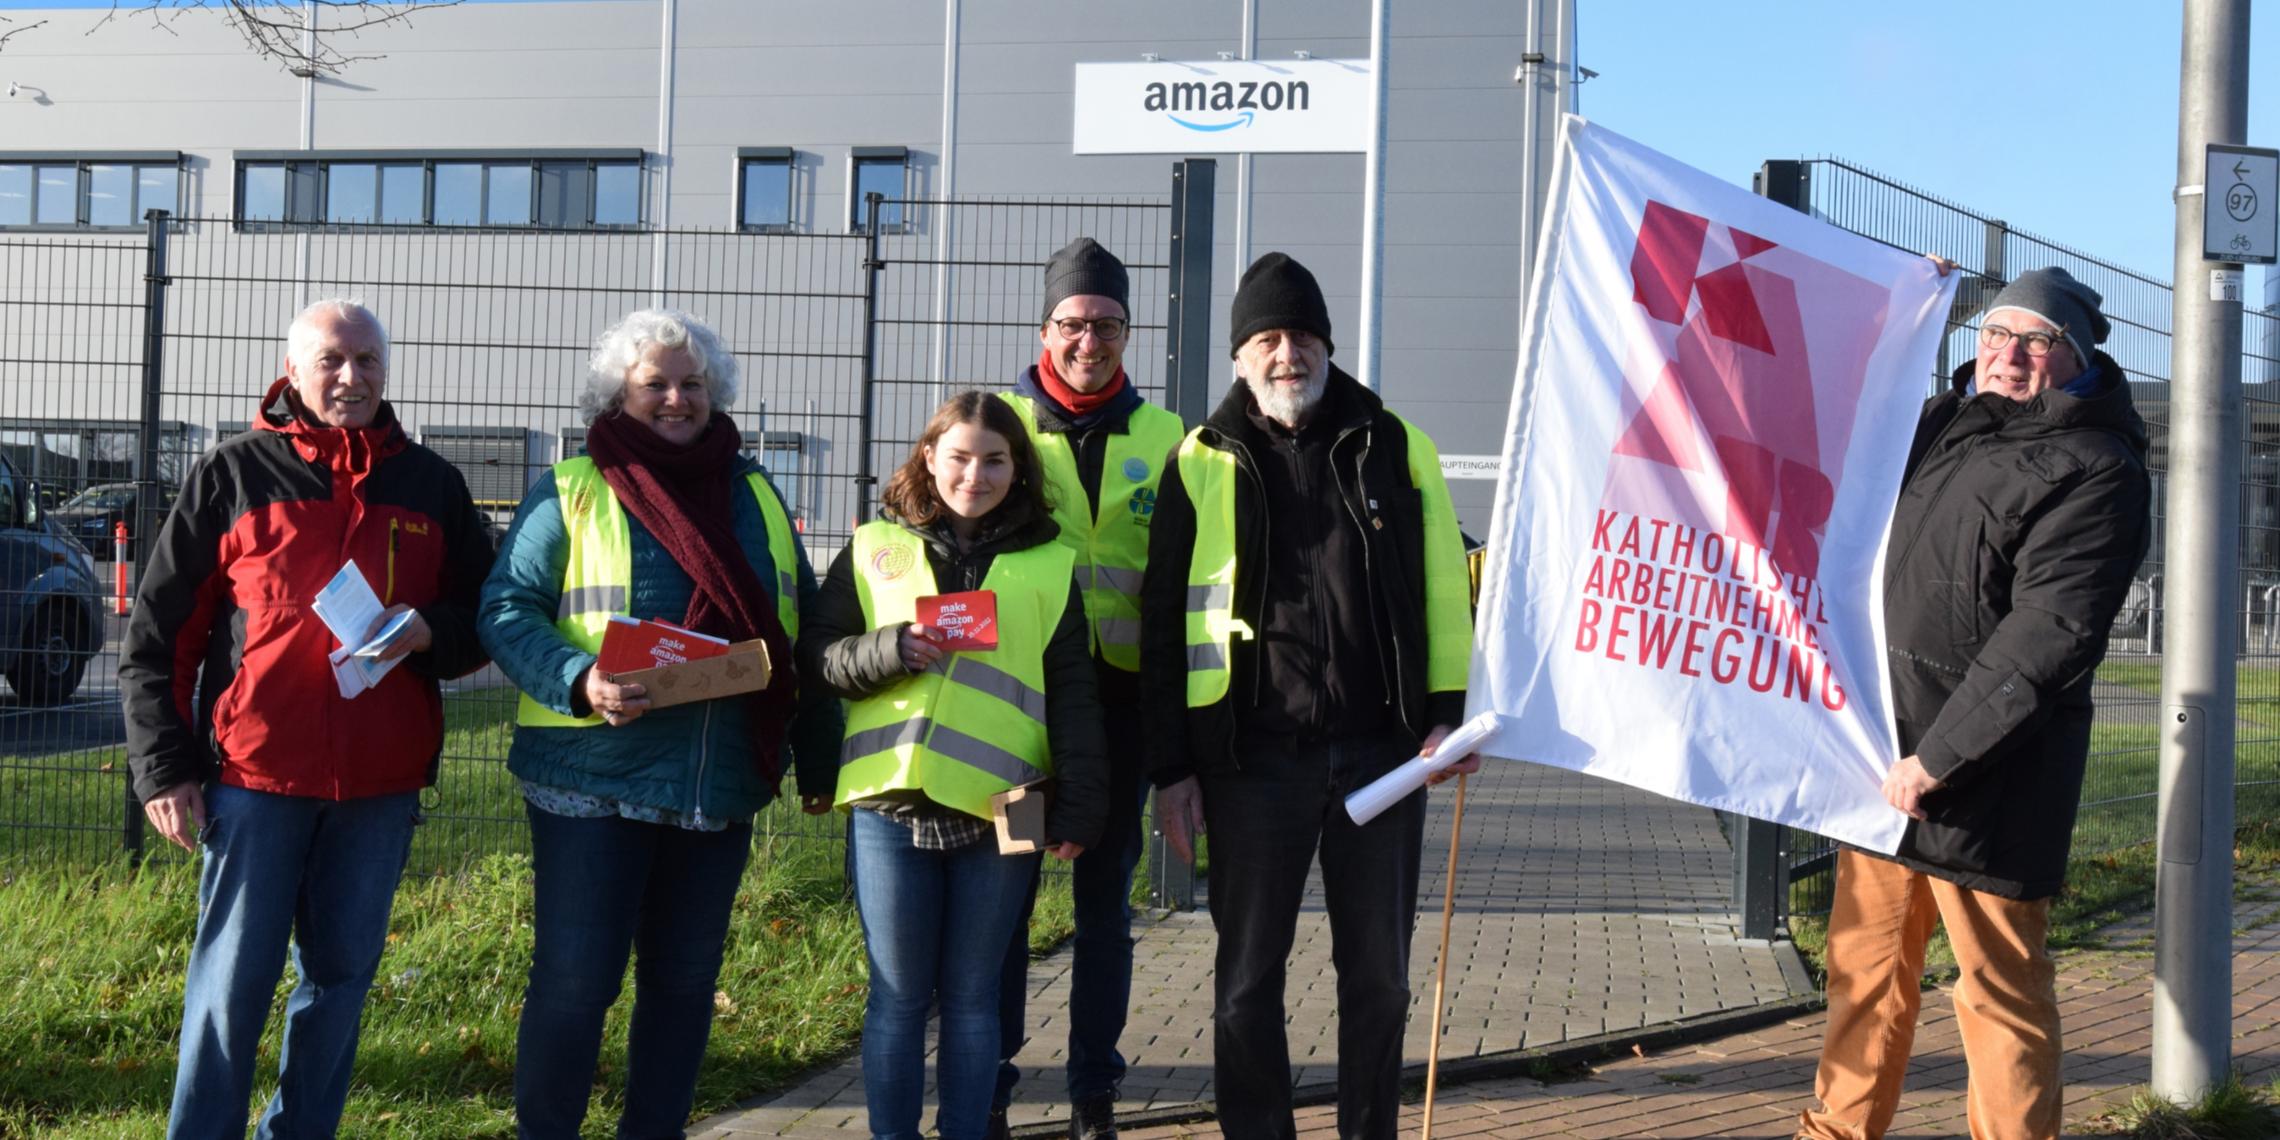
(704, 753)
(388, 596)
(1319, 604)
(1386, 676)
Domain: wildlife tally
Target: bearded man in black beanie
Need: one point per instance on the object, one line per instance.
(1103, 448)
(1305, 628)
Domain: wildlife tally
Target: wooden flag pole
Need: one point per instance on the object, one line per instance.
(1441, 972)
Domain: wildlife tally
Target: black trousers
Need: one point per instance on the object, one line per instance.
(1266, 822)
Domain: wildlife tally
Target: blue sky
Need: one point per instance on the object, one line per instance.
(1934, 93)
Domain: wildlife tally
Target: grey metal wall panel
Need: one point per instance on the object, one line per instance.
(824, 78)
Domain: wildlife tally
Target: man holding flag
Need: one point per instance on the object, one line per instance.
(2023, 513)
(1305, 620)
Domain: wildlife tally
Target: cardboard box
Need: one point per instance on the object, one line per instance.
(1019, 814)
(743, 669)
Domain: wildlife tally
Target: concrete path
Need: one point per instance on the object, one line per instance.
(1583, 908)
(1755, 1084)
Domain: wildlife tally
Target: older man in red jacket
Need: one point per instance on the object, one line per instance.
(301, 800)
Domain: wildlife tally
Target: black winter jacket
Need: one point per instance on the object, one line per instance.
(838, 646)
(2018, 529)
(1371, 461)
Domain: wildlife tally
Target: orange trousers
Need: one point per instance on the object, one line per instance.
(2006, 1003)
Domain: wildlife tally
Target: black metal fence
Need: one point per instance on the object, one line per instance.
(122, 361)
(2118, 795)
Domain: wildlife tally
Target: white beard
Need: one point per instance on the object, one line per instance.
(1284, 405)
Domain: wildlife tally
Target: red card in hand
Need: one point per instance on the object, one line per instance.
(964, 622)
(628, 645)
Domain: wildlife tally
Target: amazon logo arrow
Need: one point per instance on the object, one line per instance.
(1242, 120)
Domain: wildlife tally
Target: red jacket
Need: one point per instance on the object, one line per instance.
(225, 671)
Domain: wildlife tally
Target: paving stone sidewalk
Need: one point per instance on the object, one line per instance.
(1754, 1084)
(1583, 907)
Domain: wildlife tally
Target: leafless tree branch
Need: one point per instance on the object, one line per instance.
(279, 31)
(12, 33)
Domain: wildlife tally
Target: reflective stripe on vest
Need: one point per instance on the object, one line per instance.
(597, 576)
(1208, 475)
(974, 725)
(1111, 544)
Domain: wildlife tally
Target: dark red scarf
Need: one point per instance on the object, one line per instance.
(1078, 403)
(685, 498)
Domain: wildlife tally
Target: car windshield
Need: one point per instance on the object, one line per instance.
(99, 499)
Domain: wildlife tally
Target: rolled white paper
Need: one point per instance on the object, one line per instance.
(1367, 803)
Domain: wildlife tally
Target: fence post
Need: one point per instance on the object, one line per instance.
(866, 476)
(1759, 877)
(1187, 354)
(155, 281)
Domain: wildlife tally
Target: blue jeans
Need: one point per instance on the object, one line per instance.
(321, 874)
(1100, 971)
(607, 889)
(935, 925)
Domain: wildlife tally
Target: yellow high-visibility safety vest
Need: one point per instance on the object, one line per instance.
(597, 580)
(1111, 544)
(1208, 475)
(973, 725)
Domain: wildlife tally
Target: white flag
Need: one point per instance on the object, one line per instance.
(1684, 579)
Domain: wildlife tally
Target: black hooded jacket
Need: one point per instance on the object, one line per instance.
(1368, 453)
(2017, 532)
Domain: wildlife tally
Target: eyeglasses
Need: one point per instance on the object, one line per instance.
(1106, 328)
(1995, 338)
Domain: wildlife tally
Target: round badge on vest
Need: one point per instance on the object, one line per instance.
(1136, 469)
(892, 562)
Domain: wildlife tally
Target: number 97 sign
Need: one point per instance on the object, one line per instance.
(2241, 184)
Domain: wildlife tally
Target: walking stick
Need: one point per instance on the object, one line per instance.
(1441, 972)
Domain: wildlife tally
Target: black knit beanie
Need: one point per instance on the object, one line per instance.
(1082, 268)
(1278, 293)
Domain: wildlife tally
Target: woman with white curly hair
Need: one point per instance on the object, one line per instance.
(641, 818)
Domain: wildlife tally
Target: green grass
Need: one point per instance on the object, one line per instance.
(91, 991)
(91, 973)
(2230, 1111)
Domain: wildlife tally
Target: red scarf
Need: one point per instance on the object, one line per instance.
(685, 498)
(1078, 403)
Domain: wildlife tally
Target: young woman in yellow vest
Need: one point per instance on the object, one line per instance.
(641, 817)
(933, 733)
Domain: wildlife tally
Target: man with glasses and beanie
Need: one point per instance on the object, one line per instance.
(1306, 626)
(2024, 512)
(1103, 448)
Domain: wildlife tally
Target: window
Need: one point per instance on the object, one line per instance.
(877, 169)
(560, 190)
(88, 191)
(764, 198)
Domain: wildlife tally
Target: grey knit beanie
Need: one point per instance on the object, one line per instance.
(1082, 268)
(2064, 303)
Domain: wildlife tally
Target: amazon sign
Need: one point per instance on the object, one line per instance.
(1223, 106)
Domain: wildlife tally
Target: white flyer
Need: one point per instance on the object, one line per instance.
(348, 607)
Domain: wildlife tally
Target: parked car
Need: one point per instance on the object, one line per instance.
(51, 624)
(93, 515)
